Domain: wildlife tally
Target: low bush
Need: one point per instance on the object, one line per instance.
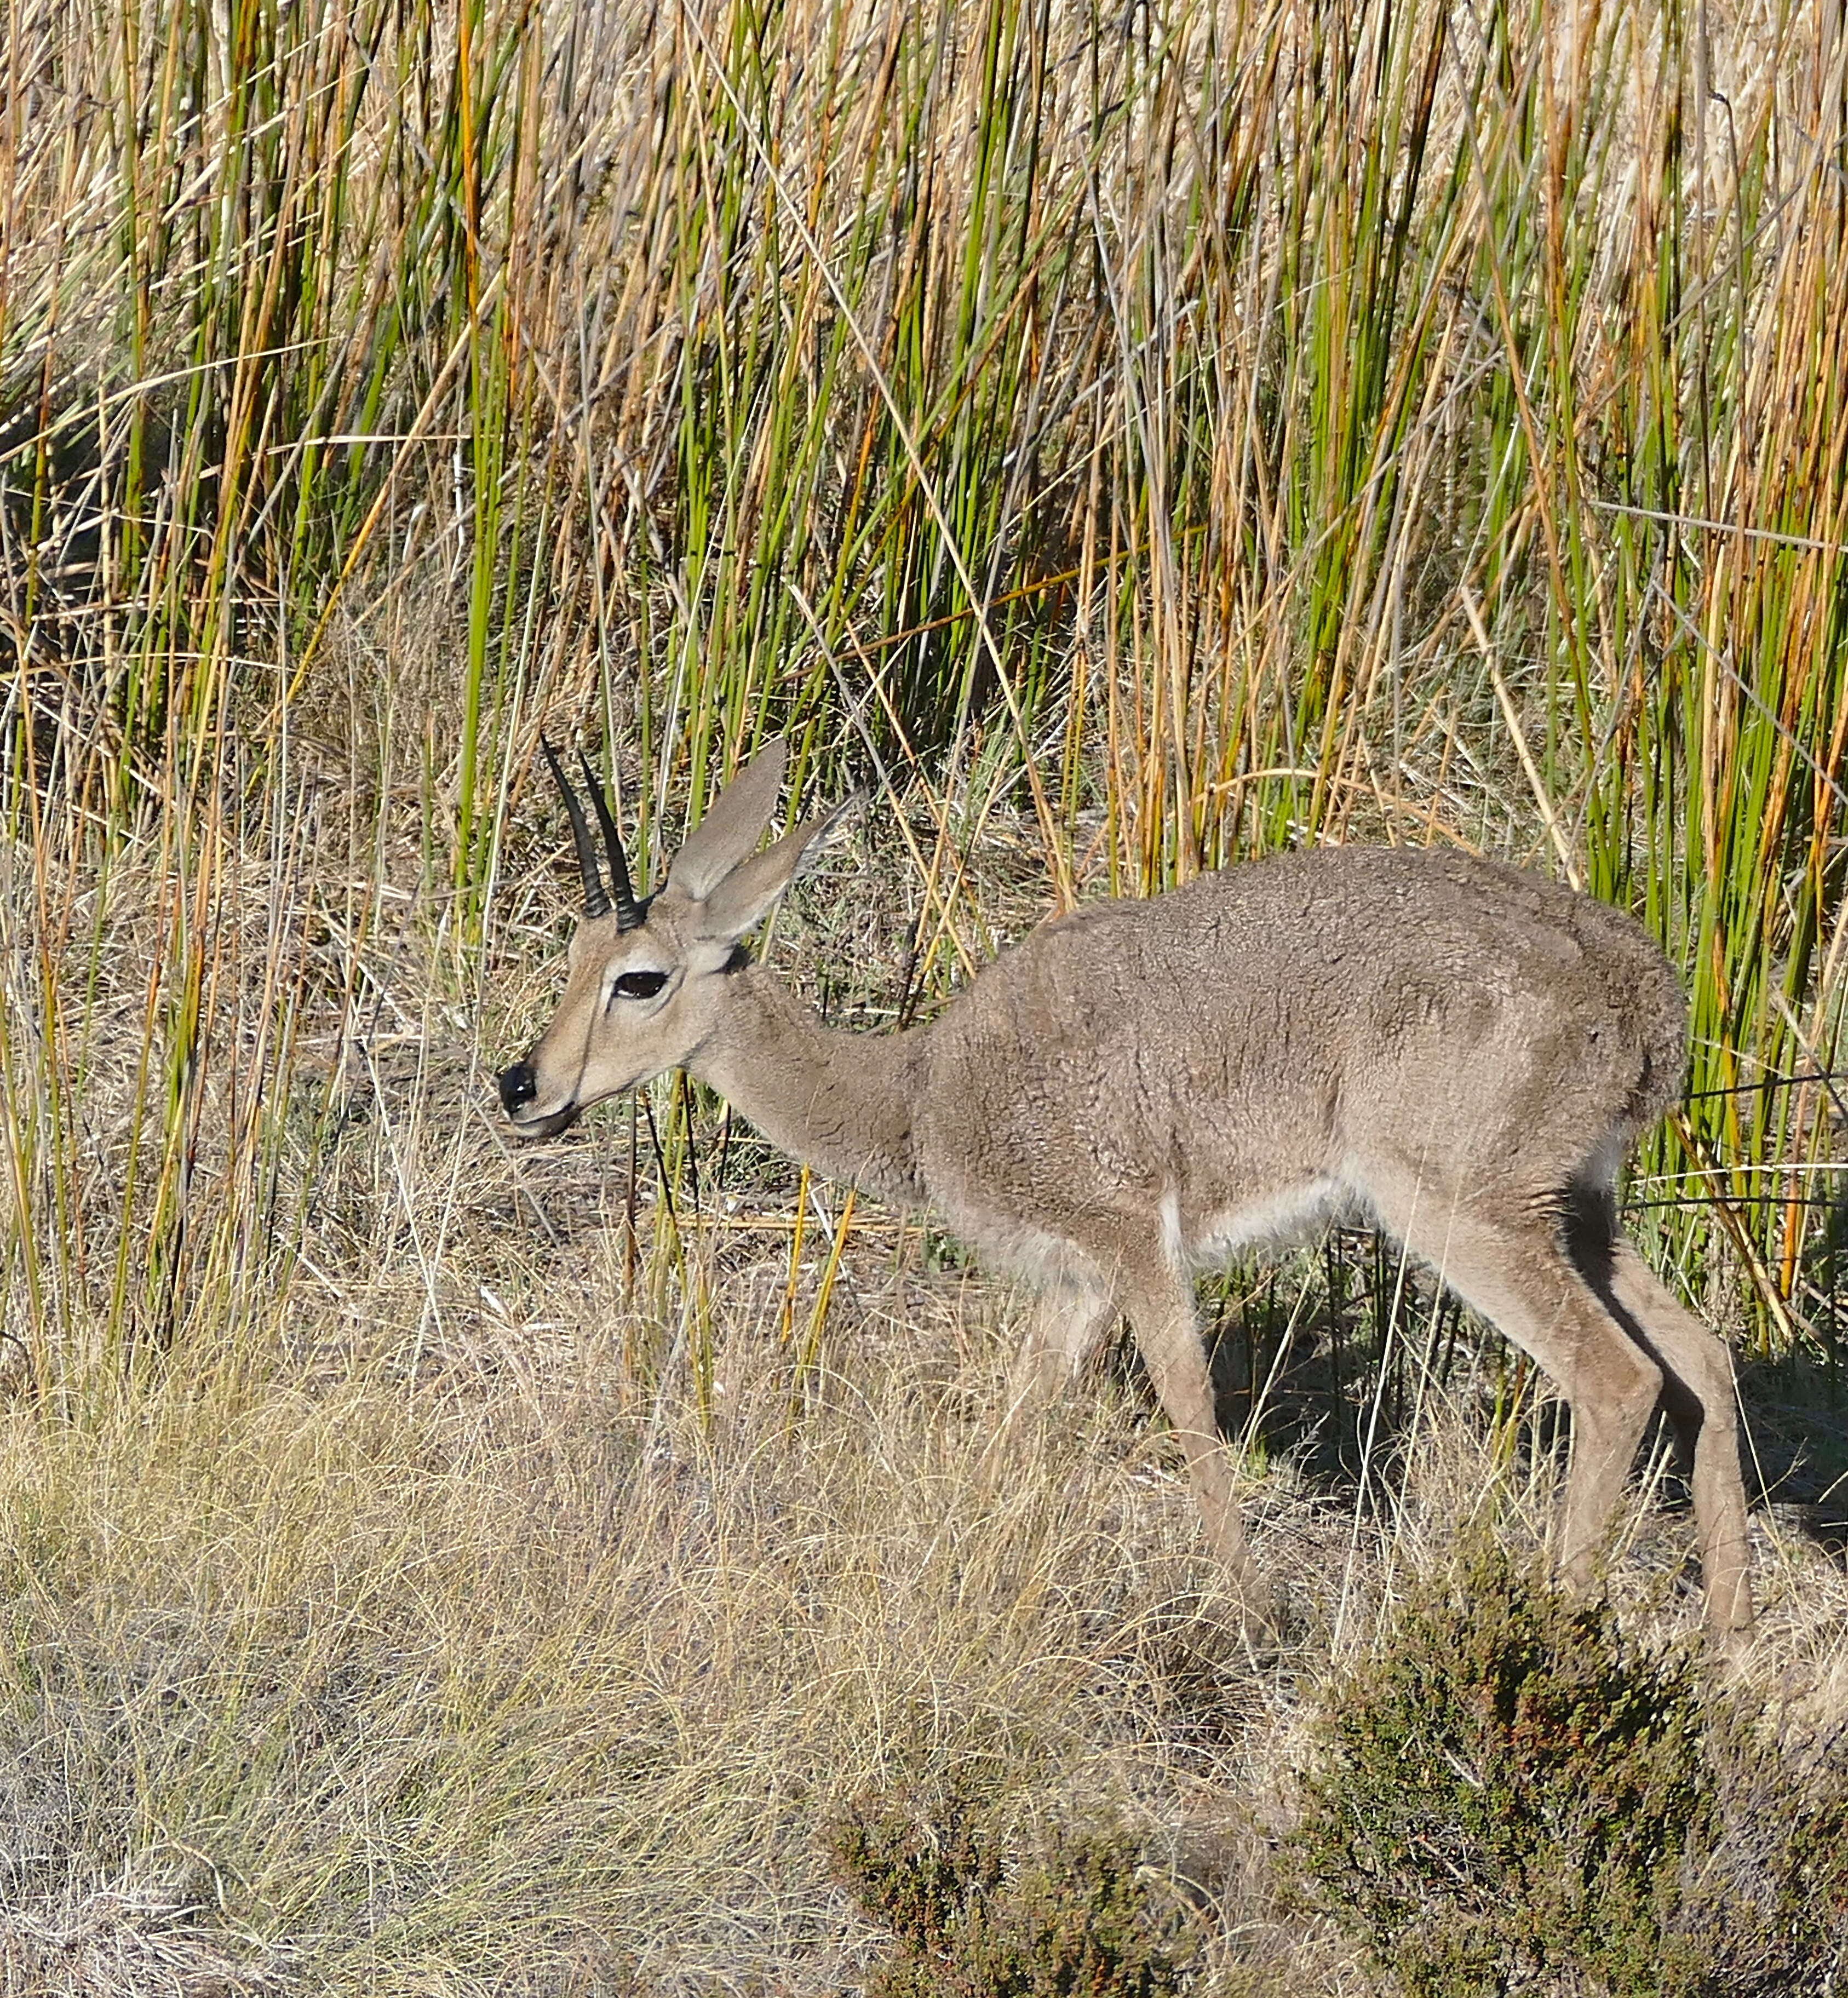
(972, 1918)
(1508, 1794)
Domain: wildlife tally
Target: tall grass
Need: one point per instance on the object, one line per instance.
(1133, 440)
(1254, 426)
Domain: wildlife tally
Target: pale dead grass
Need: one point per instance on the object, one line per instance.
(126, 1941)
(436, 1671)
(504, 1648)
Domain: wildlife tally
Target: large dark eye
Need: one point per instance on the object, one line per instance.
(638, 985)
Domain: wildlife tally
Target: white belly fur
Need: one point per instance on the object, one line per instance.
(1204, 1242)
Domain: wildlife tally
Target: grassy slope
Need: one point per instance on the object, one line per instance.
(1354, 423)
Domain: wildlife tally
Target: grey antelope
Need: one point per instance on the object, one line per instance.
(1460, 1050)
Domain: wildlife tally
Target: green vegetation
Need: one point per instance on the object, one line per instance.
(1074, 1919)
(1511, 1795)
(1128, 442)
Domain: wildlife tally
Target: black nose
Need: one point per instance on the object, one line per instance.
(517, 1085)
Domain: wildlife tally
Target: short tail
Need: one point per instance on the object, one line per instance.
(1657, 1007)
(1645, 995)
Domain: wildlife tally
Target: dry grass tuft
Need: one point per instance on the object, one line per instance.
(127, 1941)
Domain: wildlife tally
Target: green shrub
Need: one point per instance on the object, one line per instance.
(970, 1921)
(1509, 1795)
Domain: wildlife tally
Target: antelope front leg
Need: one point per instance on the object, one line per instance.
(1160, 1311)
(1063, 1329)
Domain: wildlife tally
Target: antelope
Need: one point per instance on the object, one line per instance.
(1459, 1052)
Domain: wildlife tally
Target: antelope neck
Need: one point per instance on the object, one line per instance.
(839, 1102)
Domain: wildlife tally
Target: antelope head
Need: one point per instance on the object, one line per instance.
(647, 977)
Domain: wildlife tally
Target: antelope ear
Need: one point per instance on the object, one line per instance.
(746, 895)
(731, 828)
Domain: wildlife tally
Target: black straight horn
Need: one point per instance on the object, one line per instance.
(596, 900)
(629, 911)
